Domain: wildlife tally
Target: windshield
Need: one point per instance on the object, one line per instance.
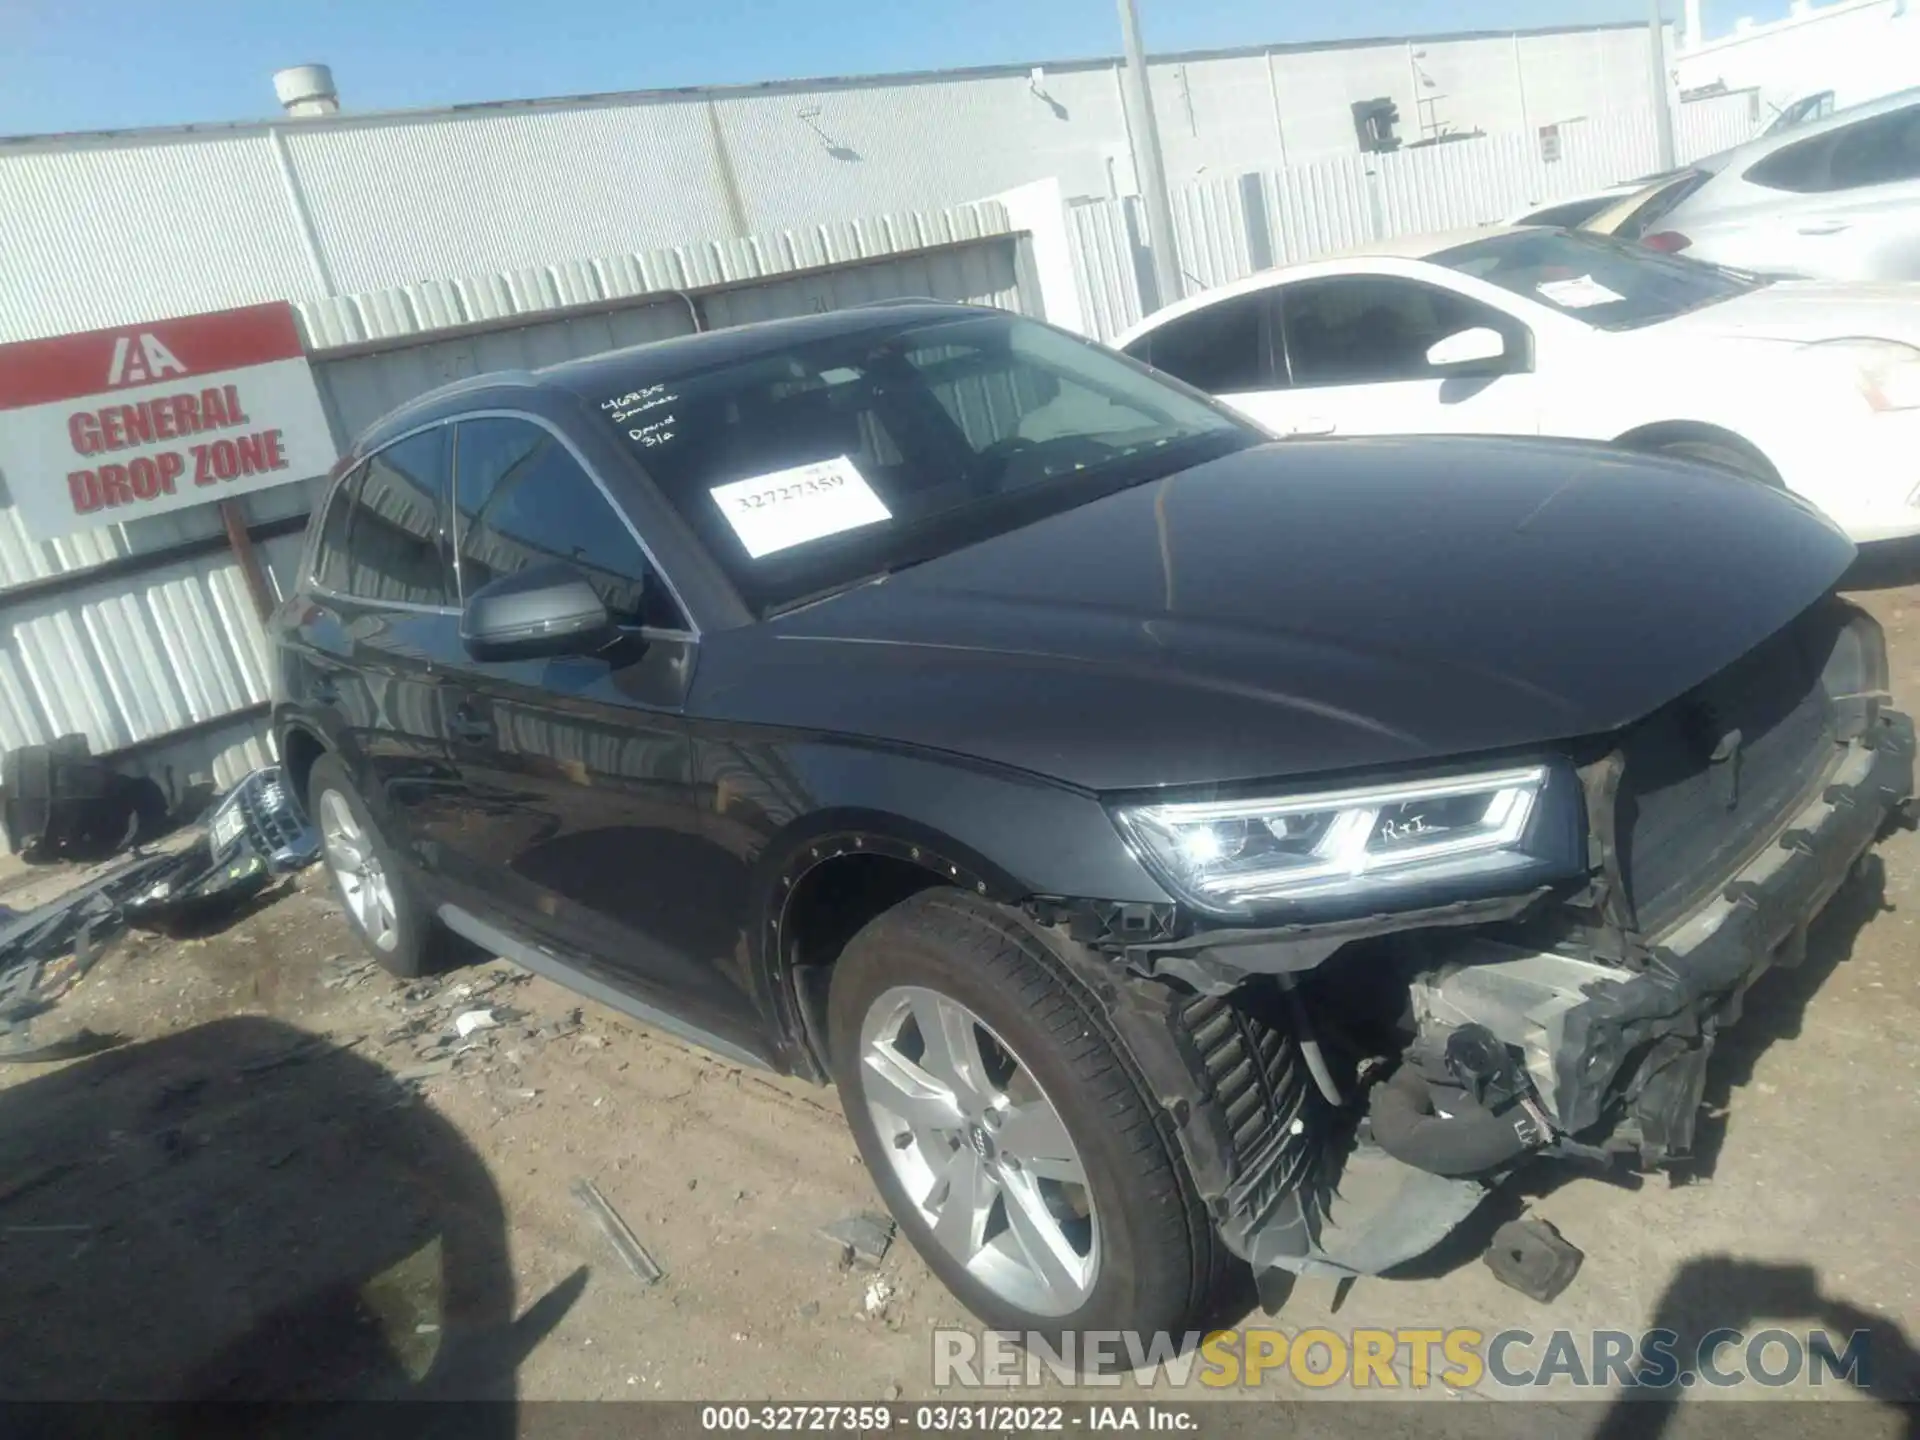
(1606, 283)
(806, 469)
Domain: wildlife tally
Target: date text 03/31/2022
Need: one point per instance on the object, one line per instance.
(960, 1418)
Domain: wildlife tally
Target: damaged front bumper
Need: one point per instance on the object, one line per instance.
(1600, 1043)
(1700, 969)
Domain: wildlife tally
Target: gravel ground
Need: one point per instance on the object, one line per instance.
(290, 1182)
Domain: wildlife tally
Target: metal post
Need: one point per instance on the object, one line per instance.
(1662, 87)
(1148, 165)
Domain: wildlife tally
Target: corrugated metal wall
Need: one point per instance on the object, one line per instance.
(121, 227)
(1230, 227)
(133, 658)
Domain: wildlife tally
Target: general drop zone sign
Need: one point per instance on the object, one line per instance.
(114, 424)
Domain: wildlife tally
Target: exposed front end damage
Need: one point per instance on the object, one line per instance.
(1346, 1094)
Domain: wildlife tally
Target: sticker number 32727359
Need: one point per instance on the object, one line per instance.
(790, 507)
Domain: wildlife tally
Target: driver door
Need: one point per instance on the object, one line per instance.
(1353, 351)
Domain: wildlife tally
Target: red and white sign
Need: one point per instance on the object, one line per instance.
(114, 424)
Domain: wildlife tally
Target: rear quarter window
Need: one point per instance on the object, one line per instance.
(1878, 151)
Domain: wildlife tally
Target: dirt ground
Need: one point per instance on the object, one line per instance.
(286, 1181)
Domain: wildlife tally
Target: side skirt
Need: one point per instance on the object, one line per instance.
(563, 972)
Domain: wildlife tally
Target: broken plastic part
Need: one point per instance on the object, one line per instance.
(1532, 1257)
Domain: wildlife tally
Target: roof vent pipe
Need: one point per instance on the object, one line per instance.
(306, 90)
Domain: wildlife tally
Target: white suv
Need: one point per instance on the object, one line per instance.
(1835, 199)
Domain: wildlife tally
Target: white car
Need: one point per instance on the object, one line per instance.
(1832, 199)
(1813, 386)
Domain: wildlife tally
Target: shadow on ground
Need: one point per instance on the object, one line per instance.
(246, 1212)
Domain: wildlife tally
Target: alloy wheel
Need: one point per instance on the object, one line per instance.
(980, 1150)
(362, 879)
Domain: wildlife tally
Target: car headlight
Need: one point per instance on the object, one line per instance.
(1886, 372)
(1230, 857)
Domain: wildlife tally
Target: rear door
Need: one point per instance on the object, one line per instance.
(380, 622)
(1354, 349)
(576, 821)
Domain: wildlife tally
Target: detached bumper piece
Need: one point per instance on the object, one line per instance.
(254, 834)
(1699, 971)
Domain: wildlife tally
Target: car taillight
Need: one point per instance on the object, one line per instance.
(1667, 242)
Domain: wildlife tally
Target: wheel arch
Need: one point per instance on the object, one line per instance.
(827, 884)
(1661, 433)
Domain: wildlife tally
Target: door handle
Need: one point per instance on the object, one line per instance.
(1313, 425)
(1824, 227)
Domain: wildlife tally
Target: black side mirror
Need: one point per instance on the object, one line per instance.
(544, 610)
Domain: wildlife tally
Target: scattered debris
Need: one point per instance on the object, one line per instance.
(862, 1238)
(624, 1242)
(879, 1292)
(469, 1021)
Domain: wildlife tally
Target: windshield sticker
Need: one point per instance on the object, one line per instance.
(785, 508)
(1581, 293)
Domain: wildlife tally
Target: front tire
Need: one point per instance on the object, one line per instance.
(1722, 456)
(1008, 1131)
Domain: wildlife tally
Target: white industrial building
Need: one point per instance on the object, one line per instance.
(341, 203)
(1858, 48)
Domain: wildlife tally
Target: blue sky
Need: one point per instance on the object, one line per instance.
(99, 64)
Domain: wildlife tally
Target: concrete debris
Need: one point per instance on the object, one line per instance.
(863, 1239)
(469, 1021)
(625, 1243)
(879, 1292)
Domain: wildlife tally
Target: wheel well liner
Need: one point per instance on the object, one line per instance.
(299, 748)
(1669, 432)
(833, 886)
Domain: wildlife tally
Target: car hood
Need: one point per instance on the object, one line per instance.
(1301, 608)
(1803, 310)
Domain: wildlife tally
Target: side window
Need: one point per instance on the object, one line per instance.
(523, 499)
(1365, 329)
(1878, 151)
(1221, 349)
(393, 524)
(1882, 151)
(330, 555)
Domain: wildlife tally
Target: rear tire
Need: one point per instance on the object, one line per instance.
(374, 891)
(1083, 1217)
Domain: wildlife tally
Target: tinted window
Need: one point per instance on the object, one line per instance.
(524, 500)
(1607, 283)
(1877, 151)
(1364, 329)
(393, 528)
(815, 463)
(330, 557)
(1221, 349)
